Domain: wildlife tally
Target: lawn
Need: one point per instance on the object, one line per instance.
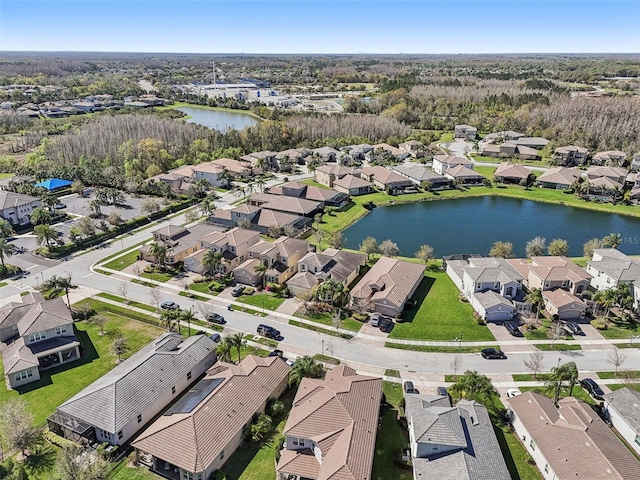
(392, 438)
(528, 377)
(122, 471)
(262, 300)
(325, 319)
(124, 261)
(440, 315)
(578, 392)
(131, 303)
(618, 386)
(621, 374)
(314, 328)
(617, 328)
(433, 348)
(549, 347)
(203, 287)
(6, 175)
(61, 383)
(486, 172)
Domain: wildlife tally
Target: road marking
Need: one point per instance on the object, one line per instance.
(88, 275)
(32, 266)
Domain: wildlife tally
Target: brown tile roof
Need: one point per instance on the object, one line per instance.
(559, 175)
(554, 268)
(192, 441)
(571, 148)
(560, 298)
(350, 181)
(452, 160)
(340, 414)
(573, 439)
(233, 165)
(511, 170)
(460, 171)
(384, 175)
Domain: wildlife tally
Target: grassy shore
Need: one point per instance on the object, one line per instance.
(206, 107)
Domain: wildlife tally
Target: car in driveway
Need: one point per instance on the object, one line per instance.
(513, 329)
(59, 206)
(385, 324)
(572, 328)
(169, 305)
(513, 392)
(408, 387)
(237, 291)
(375, 319)
(493, 353)
(592, 387)
(214, 318)
(442, 391)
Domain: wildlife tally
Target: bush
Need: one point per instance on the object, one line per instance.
(248, 291)
(216, 287)
(599, 323)
(275, 408)
(361, 317)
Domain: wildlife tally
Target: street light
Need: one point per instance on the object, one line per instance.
(322, 351)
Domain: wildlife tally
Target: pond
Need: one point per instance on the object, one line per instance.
(472, 225)
(220, 120)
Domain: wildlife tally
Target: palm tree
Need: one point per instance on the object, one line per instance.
(237, 341)
(534, 297)
(188, 316)
(223, 349)
(211, 260)
(567, 372)
(606, 299)
(49, 200)
(6, 249)
(261, 183)
(64, 283)
(207, 207)
(167, 317)
(6, 230)
(472, 386)
(224, 176)
(260, 269)
(40, 216)
(159, 252)
(305, 367)
(613, 240)
(95, 206)
(45, 234)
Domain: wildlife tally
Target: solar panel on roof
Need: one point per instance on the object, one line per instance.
(193, 397)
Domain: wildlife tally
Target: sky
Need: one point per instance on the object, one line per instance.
(329, 26)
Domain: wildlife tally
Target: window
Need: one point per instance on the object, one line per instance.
(139, 418)
(23, 375)
(221, 454)
(532, 444)
(434, 447)
(61, 330)
(297, 442)
(637, 439)
(189, 376)
(35, 337)
(173, 390)
(120, 435)
(478, 286)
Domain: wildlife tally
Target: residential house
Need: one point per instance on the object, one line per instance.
(615, 174)
(452, 443)
(359, 152)
(286, 204)
(634, 193)
(570, 441)
(388, 285)
(211, 172)
(511, 173)
(603, 189)
(563, 305)
(490, 284)
(464, 175)
(531, 142)
(262, 161)
(386, 179)
(280, 256)
(386, 149)
(327, 197)
(421, 175)
(610, 157)
(16, 208)
(621, 409)
(259, 219)
(511, 149)
(353, 186)
(35, 335)
(500, 137)
(294, 155)
(199, 433)
(609, 267)
(635, 292)
(465, 131)
(441, 163)
(413, 147)
(570, 155)
(559, 178)
(235, 167)
(179, 242)
(233, 245)
(314, 268)
(331, 430)
(328, 174)
(121, 402)
(323, 154)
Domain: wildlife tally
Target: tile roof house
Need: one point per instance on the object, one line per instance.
(609, 266)
(328, 174)
(35, 335)
(622, 408)
(200, 432)
(324, 154)
(511, 173)
(263, 161)
(180, 242)
(511, 149)
(570, 155)
(388, 285)
(285, 204)
(326, 196)
(16, 208)
(610, 157)
(415, 148)
(259, 219)
(635, 163)
(235, 167)
(570, 441)
(233, 245)
(331, 430)
(615, 174)
(476, 277)
(502, 136)
(389, 149)
(559, 178)
(465, 131)
(420, 174)
(117, 405)
(465, 175)
(531, 142)
(314, 268)
(385, 178)
(352, 185)
(452, 443)
(443, 162)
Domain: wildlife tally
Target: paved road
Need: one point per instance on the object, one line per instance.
(299, 339)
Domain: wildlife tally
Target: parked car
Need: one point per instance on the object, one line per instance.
(267, 331)
(168, 305)
(572, 328)
(442, 391)
(375, 318)
(276, 353)
(59, 206)
(408, 387)
(215, 337)
(385, 324)
(492, 353)
(215, 318)
(513, 392)
(237, 291)
(513, 329)
(592, 387)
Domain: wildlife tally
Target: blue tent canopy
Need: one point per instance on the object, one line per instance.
(54, 184)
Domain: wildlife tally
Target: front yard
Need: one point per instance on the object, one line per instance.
(439, 314)
(264, 301)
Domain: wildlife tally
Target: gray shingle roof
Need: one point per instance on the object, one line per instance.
(11, 199)
(121, 394)
(627, 403)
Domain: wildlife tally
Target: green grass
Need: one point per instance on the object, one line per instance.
(621, 374)
(122, 471)
(548, 347)
(202, 287)
(543, 331)
(486, 172)
(393, 393)
(618, 386)
(142, 282)
(392, 373)
(434, 348)
(6, 175)
(124, 261)
(193, 296)
(528, 377)
(617, 328)
(59, 384)
(325, 319)
(578, 392)
(262, 300)
(158, 277)
(326, 331)
(131, 303)
(326, 359)
(3, 284)
(262, 340)
(439, 315)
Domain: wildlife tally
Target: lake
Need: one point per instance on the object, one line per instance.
(220, 120)
(472, 225)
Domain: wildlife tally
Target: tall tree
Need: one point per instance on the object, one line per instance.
(16, 425)
(6, 230)
(211, 261)
(425, 253)
(613, 240)
(536, 247)
(119, 347)
(502, 249)
(237, 341)
(40, 216)
(260, 269)
(472, 386)
(336, 240)
(591, 245)
(159, 253)
(223, 349)
(558, 246)
(188, 316)
(305, 367)
(389, 248)
(6, 249)
(369, 246)
(534, 297)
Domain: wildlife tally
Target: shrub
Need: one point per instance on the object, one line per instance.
(599, 323)
(361, 317)
(216, 287)
(275, 408)
(248, 291)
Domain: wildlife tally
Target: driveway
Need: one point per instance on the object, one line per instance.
(459, 148)
(508, 343)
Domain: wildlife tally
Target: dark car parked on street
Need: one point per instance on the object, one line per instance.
(267, 331)
(215, 318)
(168, 305)
(592, 387)
(513, 329)
(493, 353)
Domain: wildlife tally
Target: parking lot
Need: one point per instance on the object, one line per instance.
(77, 205)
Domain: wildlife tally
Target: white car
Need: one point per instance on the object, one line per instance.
(513, 392)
